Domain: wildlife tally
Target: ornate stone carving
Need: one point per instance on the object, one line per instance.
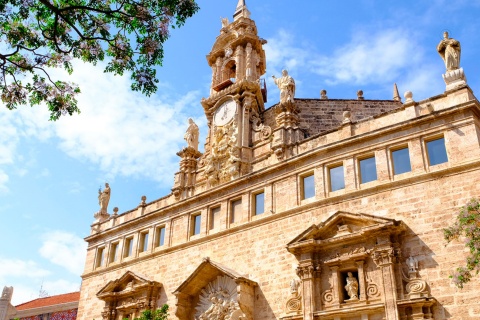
(327, 296)
(416, 287)
(184, 181)
(219, 301)
(372, 289)
(223, 163)
(384, 256)
(294, 302)
(258, 126)
(308, 271)
(128, 295)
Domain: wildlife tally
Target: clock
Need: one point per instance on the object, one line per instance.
(225, 113)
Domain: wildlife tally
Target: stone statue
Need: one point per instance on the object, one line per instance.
(286, 84)
(192, 134)
(449, 49)
(352, 287)
(104, 198)
(412, 264)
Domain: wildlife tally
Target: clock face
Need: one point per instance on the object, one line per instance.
(225, 113)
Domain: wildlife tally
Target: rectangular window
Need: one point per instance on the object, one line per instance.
(401, 161)
(259, 205)
(143, 241)
(99, 259)
(160, 236)
(196, 224)
(128, 249)
(236, 212)
(308, 186)
(215, 218)
(368, 170)
(114, 252)
(337, 178)
(437, 153)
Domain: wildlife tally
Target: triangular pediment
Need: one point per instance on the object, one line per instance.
(206, 272)
(342, 227)
(129, 282)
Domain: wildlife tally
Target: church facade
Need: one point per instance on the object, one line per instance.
(308, 209)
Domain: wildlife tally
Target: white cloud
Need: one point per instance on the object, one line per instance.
(20, 268)
(370, 58)
(123, 131)
(64, 249)
(377, 58)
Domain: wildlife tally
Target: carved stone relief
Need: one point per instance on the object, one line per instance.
(223, 163)
(294, 301)
(264, 132)
(219, 301)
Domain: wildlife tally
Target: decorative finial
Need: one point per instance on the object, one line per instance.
(396, 94)
(115, 211)
(144, 201)
(241, 11)
(360, 95)
(408, 97)
(323, 94)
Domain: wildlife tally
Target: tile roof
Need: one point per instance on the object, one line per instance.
(49, 301)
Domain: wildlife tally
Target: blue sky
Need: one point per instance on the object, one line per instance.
(50, 171)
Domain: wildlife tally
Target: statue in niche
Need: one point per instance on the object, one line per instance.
(104, 198)
(192, 134)
(286, 84)
(352, 287)
(449, 49)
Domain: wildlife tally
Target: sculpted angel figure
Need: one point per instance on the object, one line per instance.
(449, 49)
(286, 84)
(352, 286)
(104, 198)
(192, 134)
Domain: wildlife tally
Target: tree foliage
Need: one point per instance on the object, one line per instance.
(36, 35)
(467, 225)
(159, 314)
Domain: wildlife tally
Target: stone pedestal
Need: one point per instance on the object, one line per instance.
(184, 184)
(454, 79)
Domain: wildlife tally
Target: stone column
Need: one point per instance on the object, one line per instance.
(239, 62)
(385, 258)
(361, 280)
(249, 66)
(308, 272)
(218, 77)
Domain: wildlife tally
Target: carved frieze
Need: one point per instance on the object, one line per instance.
(218, 301)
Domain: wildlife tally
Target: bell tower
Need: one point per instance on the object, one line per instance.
(237, 97)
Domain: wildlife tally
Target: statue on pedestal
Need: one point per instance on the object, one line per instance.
(352, 287)
(192, 135)
(286, 84)
(104, 198)
(449, 49)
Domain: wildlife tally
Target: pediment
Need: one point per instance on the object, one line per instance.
(129, 283)
(205, 273)
(343, 227)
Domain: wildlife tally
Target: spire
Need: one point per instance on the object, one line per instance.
(241, 11)
(396, 95)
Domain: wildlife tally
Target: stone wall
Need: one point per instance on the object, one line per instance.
(319, 116)
(425, 200)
